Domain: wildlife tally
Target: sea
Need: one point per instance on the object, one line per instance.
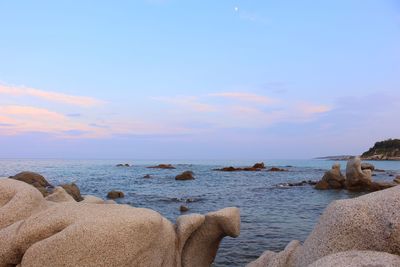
(272, 213)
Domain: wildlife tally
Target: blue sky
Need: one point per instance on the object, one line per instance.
(197, 79)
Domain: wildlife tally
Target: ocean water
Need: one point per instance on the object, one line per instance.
(271, 215)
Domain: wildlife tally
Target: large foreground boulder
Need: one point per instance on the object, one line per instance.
(36, 232)
(332, 179)
(34, 179)
(370, 222)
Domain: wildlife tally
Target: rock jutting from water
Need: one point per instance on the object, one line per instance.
(355, 232)
(358, 178)
(187, 175)
(38, 232)
(162, 166)
(256, 167)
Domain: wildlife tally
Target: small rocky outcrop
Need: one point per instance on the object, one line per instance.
(73, 190)
(162, 166)
(255, 167)
(187, 175)
(114, 194)
(123, 165)
(332, 179)
(368, 223)
(183, 208)
(147, 176)
(302, 183)
(34, 179)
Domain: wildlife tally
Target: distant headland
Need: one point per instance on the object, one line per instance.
(383, 150)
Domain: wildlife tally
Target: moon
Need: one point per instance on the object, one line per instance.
(236, 9)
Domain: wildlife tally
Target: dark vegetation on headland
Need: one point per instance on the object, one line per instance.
(384, 150)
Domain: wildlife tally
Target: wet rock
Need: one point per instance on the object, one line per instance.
(376, 186)
(162, 166)
(115, 194)
(187, 175)
(397, 179)
(259, 165)
(183, 208)
(73, 190)
(35, 180)
(147, 176)
(332, 179)
(379, 170)
(123, 165)
(302, 183)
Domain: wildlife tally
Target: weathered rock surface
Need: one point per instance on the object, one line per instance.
(332, 179)
(259, 165)
(162, 166)
(60, 195)
(356, 178)
(36, 232)
(397, 179)
(370, 222)
(34, 179)
(73, 190)
(187, 175)
(356, 258)
(367, 166)
(92, 199)
(115, 194)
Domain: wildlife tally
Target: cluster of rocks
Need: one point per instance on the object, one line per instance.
(162, 166)
(256, 167)
(358, 178)
(58, 231)
(302, 183)
(123, 165)
(357, 232)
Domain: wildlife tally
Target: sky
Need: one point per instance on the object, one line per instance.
(165, 79)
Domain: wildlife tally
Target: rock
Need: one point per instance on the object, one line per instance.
(376, 186)
(183, 208)
(369, 222)
(274, 259)
(92, 199)
(332, 179)
(356, 178)
(73, 190)
(367, 166)
(255, 167)
(322, 185)
(302, 183)
(357, 258)
(379, 170)
(123, 165)
(162, 166)
(34, 179)
(115, 194)
(275, 169)
(397, 179)
(147, 176)
(60, 195)
(259, 165)
(84, 234)
(187, 175)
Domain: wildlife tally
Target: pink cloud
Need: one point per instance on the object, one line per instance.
(248, 97)
(82, 101)
(190, 102)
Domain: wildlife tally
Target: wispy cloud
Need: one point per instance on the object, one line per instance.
(189, 102)
(249, 97)
(82, 101)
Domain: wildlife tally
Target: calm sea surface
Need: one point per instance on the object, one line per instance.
(271, 216)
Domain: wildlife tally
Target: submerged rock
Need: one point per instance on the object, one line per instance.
(187, 175)
(147, 176)
(115, 194)
(162, 166)
(123, 165)
(37, 232)
(183, 208)
(275, 169)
